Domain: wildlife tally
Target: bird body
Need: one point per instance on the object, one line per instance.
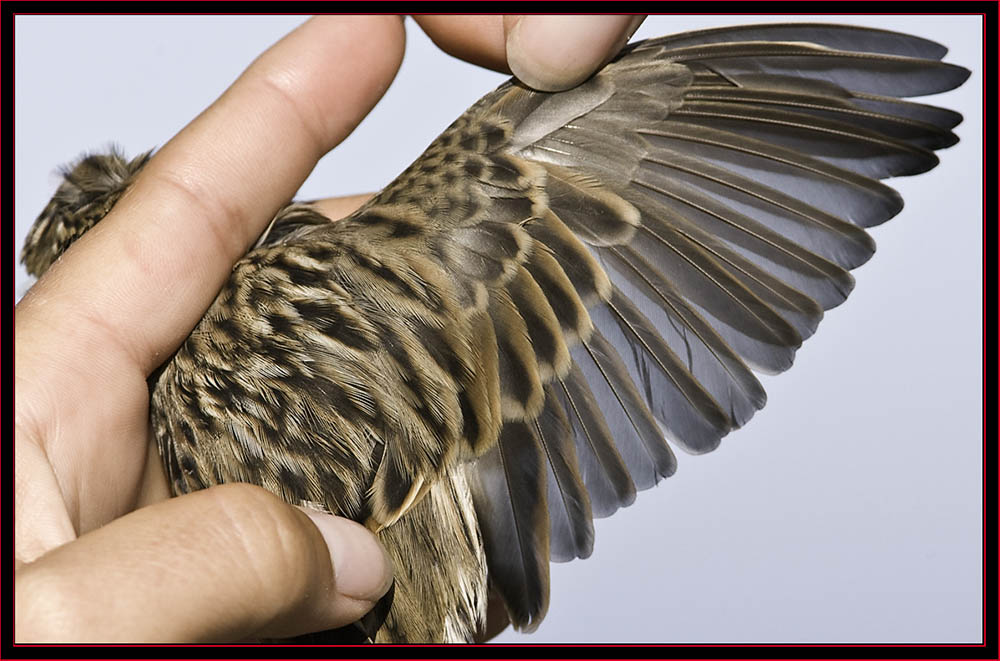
(497, 348)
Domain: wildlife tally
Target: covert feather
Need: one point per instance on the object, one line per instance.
(508, 339)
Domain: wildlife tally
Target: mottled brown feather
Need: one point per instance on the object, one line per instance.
(470, 362)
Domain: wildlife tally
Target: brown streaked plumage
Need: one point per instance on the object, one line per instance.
(410, 365)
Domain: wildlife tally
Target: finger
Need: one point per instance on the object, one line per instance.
(147, 272)
(123, 298)
(545, 52)
(227, 563)
(335, 208)
(154, 486)
(477, 39)
(554, 53)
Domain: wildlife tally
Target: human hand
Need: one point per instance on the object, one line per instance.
(548, 53)
(94, 563)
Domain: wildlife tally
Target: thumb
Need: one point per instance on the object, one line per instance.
(227, 563)
(552, 53)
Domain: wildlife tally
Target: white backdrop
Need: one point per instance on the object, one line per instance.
(848, 510)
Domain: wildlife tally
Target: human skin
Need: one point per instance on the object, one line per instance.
(95, 530)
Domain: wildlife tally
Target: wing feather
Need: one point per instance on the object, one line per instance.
(564, 282)
(705, 199)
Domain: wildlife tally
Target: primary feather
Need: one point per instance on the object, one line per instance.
(498, 347)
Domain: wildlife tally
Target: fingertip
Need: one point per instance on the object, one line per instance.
(553, 53)
(474, 38)
(362, 569)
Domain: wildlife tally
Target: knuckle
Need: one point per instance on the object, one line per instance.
(225, 220)
(273, 541)
(288, 93)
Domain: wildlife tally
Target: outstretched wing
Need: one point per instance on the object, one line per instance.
(561, 288)
(563, 283)
(645, 241)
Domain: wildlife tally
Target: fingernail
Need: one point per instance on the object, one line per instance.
(360, 564)
(552, 53)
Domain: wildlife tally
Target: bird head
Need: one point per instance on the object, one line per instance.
(89, 189)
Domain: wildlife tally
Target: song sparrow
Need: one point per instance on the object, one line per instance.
(493, 351)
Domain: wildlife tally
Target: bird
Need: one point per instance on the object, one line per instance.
(515, 335)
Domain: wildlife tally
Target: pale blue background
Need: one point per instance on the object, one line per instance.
(849, 510)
